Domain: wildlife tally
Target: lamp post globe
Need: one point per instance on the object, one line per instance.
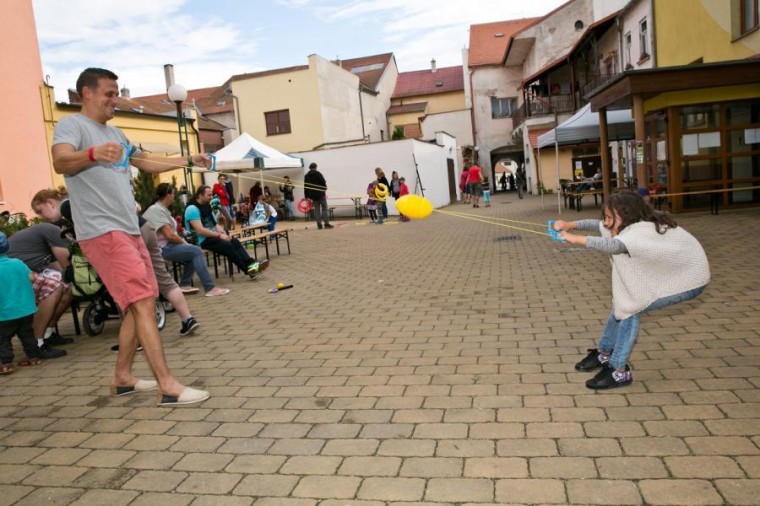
(177, 93)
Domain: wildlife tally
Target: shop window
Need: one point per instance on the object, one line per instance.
(700, 170)
(743, 140)
(503, 107)
(744, 167)
(700, 117)
(744, 196)
(743, 113)
(704, 144)
(278, 122)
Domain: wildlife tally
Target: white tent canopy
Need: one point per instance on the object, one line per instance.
(247, 154)
(583, 126)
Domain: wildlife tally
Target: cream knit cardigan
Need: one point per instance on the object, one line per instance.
(656, 266)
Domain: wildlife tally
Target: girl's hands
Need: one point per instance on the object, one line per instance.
(560, 225)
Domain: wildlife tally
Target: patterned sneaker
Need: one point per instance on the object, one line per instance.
(188, 326)
(594, 360)
(610, 377)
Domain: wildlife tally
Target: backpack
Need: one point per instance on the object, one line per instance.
(82, 276)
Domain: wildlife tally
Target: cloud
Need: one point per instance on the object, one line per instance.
(136, 41)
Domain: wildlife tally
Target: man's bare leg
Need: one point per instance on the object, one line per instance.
(178, 300)
(140, 319)
(45, 311)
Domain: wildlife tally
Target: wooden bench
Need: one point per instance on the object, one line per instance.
(576, 198)
(356, 206)
(264, 239)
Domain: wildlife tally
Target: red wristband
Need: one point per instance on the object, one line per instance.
(91, 153)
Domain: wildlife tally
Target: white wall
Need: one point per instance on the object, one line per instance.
(339, 101)
(349, 170)
(630, 23)
(376, 106)
(455, 123)
(492, 134)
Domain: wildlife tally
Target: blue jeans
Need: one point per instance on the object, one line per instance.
(193, 260)
(620, 335)
(272, 223)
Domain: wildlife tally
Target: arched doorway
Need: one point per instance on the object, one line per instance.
(504, 164)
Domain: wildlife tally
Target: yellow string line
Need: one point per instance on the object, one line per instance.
(255, 178)
(491, 222)
(531, 223)
(722, 190)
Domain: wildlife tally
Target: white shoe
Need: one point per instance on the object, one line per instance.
(188, 396)
(216, 291)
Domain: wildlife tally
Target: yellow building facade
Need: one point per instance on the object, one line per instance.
(703, 31)
(147, 129)
(435, 103)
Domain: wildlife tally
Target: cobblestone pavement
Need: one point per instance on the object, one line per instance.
(428, 363)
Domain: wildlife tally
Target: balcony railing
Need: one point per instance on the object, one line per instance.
(596, 82)
(539, 106)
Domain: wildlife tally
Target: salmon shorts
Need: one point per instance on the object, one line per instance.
(123, 263)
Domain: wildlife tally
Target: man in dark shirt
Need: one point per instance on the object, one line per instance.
(315, 188)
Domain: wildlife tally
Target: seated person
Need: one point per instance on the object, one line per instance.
(212, 237)
(591, 182)
(175, 248)
(265, 212)
(43, 250)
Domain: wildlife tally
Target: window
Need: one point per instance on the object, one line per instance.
(749, 16)
(643, 39)
(628, 43)
(503, 107)
(278, 122)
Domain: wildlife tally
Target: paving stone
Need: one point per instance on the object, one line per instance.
(631, 468)
(562, 467)
(263, 485)
(159, 460)
(164, 499)
(392, 489)
(312, 464)
(104, 478)
(155, 481)
(96, 497)
(612, 492)
(202, 462)
(53, 496)
(495, 467)
(704, 467)
(717, 445)
(209, 483)
(530, 491)
(739, 491)
(674, 491)
(331, 487)
(431, 467)
(371, 466)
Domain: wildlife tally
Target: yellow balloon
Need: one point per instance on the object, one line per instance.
(280, 285)
(414, 206)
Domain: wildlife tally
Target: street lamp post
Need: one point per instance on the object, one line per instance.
(178, 94)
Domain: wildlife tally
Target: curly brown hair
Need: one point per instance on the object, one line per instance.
(632, 209)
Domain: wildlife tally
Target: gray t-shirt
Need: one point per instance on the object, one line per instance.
(34, 245)
(101, 195)
(158, 216)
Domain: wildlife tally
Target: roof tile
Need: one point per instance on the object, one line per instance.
(427, 82)
(488, 41)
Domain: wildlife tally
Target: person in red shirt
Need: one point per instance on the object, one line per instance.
(475, 182)
(403, 189)
(220, 190)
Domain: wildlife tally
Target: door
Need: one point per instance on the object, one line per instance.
(452, 181)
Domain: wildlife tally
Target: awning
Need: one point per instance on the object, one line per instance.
(246, 154)
(583, 127)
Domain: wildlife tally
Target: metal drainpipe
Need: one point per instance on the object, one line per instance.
(361, 111)
(472, 119)
(654, 40)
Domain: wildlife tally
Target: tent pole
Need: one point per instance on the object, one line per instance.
(540, 175)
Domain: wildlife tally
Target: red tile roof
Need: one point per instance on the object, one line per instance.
(427, 82)
(488, 41)
(373, 66)
(401, 109)
(533, 135)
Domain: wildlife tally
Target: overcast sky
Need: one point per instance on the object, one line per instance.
(207, 41)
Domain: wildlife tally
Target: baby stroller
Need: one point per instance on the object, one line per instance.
(87, 287)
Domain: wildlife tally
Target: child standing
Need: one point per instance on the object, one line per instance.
(655, 264)
(403, 189)
(265, 212)
(372, 203)
(17, 308)
(486, 192)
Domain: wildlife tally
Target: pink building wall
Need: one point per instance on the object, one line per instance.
(25, 166)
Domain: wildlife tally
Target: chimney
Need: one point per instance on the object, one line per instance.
(169, 75)
(432, 66)
(125, 92)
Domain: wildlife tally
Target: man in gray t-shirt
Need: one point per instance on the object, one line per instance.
(95, 160)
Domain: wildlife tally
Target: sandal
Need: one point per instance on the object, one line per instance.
(29, 362)
(6, 369)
